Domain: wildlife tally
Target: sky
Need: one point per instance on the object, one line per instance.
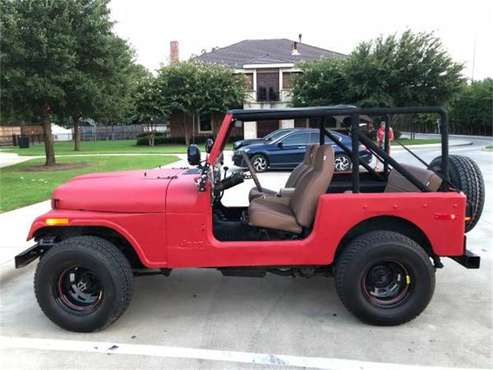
(465, 27)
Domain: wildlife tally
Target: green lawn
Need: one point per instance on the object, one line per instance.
(103, 146)
(417, 141)
(20, 186)
(489, 147)
(88, 147)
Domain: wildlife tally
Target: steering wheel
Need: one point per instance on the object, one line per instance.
(251, 170)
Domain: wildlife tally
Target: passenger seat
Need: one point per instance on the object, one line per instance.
(298, 211)
(396, 183)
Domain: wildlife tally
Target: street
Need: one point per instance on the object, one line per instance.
(302, 318)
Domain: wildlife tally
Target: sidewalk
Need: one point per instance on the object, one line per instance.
(14, 226)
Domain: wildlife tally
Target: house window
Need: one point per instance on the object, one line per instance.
(287, 79)
(268, 85)
(249, 81)
(205, 123)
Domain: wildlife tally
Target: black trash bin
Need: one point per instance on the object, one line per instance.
(23, 141)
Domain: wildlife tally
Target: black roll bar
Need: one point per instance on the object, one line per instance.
(354, 113)
(349, 152)
(355, 137)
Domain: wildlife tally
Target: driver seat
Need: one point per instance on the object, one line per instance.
(296, 175)
(293, 213)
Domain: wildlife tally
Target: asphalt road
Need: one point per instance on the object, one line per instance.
(199, 309)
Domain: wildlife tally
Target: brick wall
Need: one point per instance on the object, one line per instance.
(177, 127)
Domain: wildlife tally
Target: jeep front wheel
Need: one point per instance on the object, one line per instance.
(384, 278)
(83, 283)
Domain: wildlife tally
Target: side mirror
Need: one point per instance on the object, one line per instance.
(193, 155)
(208, 145)
(279, 144)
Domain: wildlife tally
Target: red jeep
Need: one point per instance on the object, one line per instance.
(381, 233)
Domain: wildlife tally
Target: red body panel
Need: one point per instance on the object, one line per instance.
(127, 191)
(144, 231)
(195, 246)
(181, 236)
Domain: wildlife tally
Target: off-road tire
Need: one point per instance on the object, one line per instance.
(109, 267)
(360, 255)
(262, 158)
(466, 176)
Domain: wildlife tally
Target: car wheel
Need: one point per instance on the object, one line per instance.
(83, 283)
(384, 278)
(260, 163)
(343, 163)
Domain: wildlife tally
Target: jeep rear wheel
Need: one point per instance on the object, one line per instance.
(384, 278)
(83, 283)
(466, 176)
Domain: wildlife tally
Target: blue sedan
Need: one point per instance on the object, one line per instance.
(288, 151)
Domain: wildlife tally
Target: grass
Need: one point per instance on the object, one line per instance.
(489, 147)
(21, 186)
(93, 147)
(103, 147)
(406, 141)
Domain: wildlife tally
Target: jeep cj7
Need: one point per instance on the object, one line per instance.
(382, 234)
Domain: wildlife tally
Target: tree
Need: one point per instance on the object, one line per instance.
(471, 111)
(194, 88)
(94, 63)
(413, 69)
(148, 109)
(116, 92)
(322, 82)
(37, 59)
(62, 58)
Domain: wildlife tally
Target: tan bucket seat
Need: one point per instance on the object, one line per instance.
(299, 171)
(397, 183)
(298, 211)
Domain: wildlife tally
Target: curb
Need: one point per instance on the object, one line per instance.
(427, 146)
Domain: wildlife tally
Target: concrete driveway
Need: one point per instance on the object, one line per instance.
(199, 319)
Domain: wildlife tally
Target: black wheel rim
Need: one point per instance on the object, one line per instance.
(387, 284)
(79, 289)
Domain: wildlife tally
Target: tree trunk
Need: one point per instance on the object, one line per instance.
(76, 133)
(48, 137)
(185, 129)
(151, 135)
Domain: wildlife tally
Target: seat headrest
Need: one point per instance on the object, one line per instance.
(311, 151)
(324, 157)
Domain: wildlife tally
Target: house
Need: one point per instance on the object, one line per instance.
(269, 66)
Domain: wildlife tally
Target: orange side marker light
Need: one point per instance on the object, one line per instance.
(56, 221)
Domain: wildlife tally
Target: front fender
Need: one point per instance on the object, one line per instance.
(145, 232)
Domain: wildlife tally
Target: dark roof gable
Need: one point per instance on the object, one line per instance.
(271, 51)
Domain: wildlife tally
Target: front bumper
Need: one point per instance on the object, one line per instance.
(26, 257)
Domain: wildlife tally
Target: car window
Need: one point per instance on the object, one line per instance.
(276, 135)
(315, 138)
(301, 138)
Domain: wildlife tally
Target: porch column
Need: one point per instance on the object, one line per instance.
(287, 123)
(250, 130)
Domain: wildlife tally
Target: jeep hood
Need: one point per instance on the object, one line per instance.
(141, 191)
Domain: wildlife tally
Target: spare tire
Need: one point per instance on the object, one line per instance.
(466, 176)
